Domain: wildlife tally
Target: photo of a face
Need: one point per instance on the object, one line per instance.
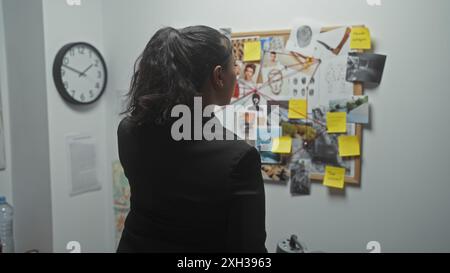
(273, 50)
(271, 59)
(273, 56)
(249, 72)
(256, 98)
(248, 77)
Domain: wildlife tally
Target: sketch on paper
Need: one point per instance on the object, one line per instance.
(332, 84)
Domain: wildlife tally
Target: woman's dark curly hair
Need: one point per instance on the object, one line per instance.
(172, 70)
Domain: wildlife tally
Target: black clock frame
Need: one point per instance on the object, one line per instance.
(57, 77)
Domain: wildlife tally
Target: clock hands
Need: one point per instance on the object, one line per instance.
(73, 69)
(79, 72)
(86, 70)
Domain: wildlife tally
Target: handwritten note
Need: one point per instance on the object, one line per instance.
(360, 38)
(298, 109)
(282, 145)
(252, 51)
(349, 146)
(334, 177)
(337, 122)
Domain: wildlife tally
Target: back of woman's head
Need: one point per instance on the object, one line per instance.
(172, 70)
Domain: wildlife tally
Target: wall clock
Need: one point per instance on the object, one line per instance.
(79, 73)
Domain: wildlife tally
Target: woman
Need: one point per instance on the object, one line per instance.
(187, 196)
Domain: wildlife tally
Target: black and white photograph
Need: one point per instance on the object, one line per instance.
(300, 181)
(365, 67)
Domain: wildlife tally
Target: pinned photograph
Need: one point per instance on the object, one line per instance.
(248, 77)
(272, 43)
(280, 108)
(365, 67)
(265, 137)
(272, 49)
(249, 73)
(357, 108)
(275, 173)
(325, 151)
(300, 181)
(256, 103)
(269, 157)
(271, 59)
(258, 107)
(247, 124)
(300, 129)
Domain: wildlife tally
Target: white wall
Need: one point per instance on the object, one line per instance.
(403, 200)
(86, 218)
(27, 100)
(5, 175)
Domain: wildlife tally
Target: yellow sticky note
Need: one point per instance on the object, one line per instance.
(282, 145)
(298, 109)
(337, 122)
(334, 177)
(360, 38)
(349, 146)
(252, 51)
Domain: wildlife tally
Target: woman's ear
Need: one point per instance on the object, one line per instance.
(218, 77)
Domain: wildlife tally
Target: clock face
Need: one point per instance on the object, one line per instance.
(80, 73)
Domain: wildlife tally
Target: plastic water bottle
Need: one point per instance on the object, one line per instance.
(6, 226)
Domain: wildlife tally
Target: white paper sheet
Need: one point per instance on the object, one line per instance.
(303, 37)
(82, 164)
